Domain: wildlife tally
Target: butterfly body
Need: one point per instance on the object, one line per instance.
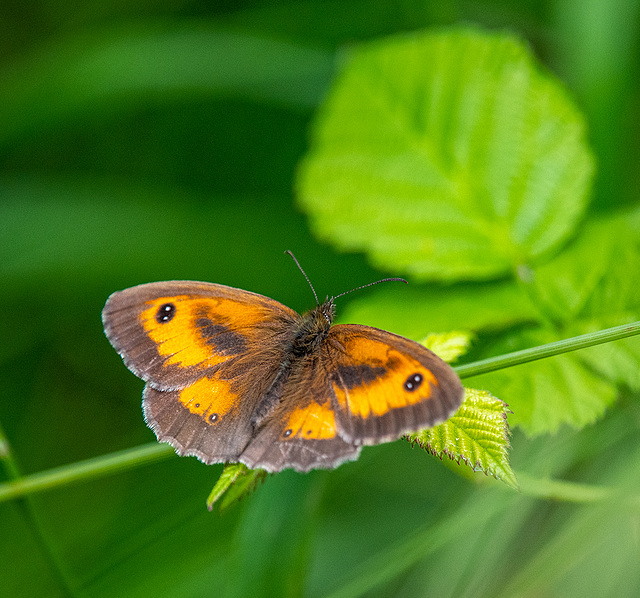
(235, 376)
(313, 329)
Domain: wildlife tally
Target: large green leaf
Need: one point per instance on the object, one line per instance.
(447, 155)
(589, 286)
(593, 285)
(416, 311)
(545, 394)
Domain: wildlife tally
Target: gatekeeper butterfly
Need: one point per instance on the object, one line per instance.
(234, 376)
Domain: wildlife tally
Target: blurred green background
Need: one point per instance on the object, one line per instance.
(144, 141)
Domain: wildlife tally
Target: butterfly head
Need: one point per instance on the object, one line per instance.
(320, 318)
(327, 310)
(313, 328)
(314, 325)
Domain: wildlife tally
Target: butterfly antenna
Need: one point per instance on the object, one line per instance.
(293, 257)
(364, 286)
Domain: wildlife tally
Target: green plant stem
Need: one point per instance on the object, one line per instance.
(6, 457)
(549, 350)
(547, 489)
(85, 470)
(122, 460)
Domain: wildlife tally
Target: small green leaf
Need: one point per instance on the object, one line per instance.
(235, 481)
(478, 435)
(228, 476)
(447, 155)
(448, 345)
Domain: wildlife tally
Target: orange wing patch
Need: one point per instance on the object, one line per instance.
(209, 397)
(195, 332)
(386, 379)
(314, 421)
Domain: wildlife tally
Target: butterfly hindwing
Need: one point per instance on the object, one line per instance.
(211, 437)
(301, 432)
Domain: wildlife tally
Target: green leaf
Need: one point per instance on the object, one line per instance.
(588, 287)
(546, 394)
(235, 481)
(478, 435)
(592, 285)
(450, 345)
(591, 279)
(417, 310)
(447, 155)
(227, 478)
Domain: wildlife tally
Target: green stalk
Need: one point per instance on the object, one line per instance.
(549, 350)
(85, 470)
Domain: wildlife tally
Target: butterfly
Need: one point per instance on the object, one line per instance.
(233, 376)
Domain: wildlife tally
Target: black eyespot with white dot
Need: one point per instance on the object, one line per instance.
(413, 382)
(165, 313)
(213, 418)
(287, 433)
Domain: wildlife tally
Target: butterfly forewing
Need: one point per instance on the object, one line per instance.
(386, 385)
(172, 333)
